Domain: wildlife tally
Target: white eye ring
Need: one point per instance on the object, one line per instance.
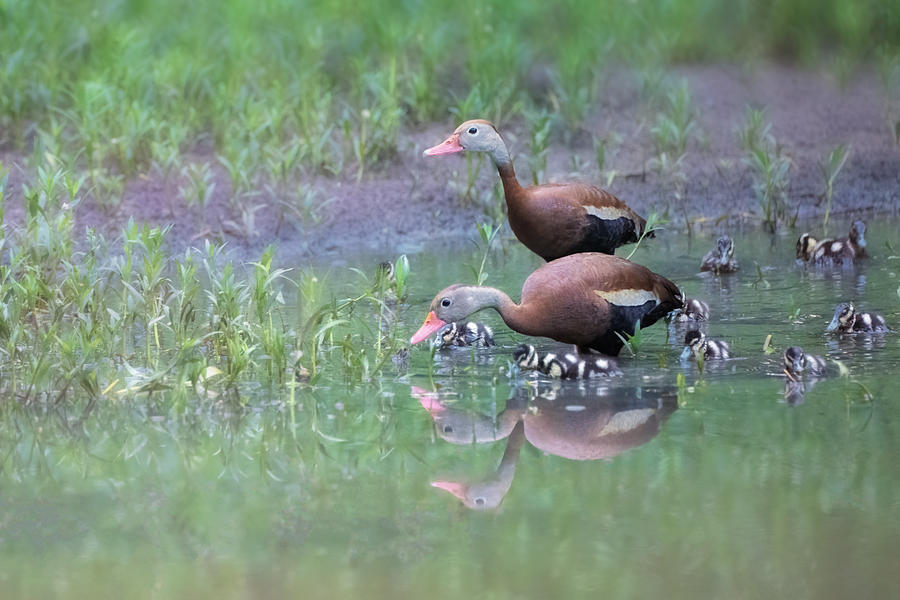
(445, 302)
(473, 130)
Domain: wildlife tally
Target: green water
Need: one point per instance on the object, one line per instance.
(715, 489)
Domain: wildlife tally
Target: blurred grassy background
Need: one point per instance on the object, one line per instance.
(129, 82)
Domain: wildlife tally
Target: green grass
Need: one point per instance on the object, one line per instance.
(330, 84)
(105, 318)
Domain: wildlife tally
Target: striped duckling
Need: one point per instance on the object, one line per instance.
(842, 250)
(797, 362)
(805, 246)
(693, 310)
(567, 366)
(464, 334)
(721, 258)
(696, 343)
(847, 320)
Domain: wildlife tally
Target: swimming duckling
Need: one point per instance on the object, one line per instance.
(465, 334)
(695, 343)
(721, 258)
(842, 250)
(693, 310)
(567, 366)
(385, 271)
(847, 320)
(797, 362)
(805, 246)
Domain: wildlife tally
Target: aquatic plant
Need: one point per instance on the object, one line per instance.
(829, 167)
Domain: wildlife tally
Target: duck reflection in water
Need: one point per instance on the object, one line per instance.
(574, 421)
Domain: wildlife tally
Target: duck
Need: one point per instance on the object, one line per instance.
(583, 299)
(847, 320)
(697, 344)
(693, 310)
(566, 366)
(553, 219)
(805, 246)
(842, 250)
(465, 334)
(489, 492)
(797, 362)
(721, 258)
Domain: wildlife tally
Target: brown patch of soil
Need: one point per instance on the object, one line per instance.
(409, 202)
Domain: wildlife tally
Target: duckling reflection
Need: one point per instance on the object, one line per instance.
(795, 390)
(574, 421)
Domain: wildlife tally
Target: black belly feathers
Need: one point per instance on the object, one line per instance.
(605, 235)
(565, 366)
(464, 334)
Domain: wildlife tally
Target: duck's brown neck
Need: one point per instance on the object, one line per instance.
(516, 316)
(511, 187)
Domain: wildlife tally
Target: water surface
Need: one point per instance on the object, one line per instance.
(459, 478)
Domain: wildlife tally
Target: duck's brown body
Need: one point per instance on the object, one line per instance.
(552, 220)
(582, 299)
(555, 220)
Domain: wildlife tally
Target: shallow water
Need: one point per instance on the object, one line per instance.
(630, 487)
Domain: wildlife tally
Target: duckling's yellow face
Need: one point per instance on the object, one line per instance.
(793, 361)
(805, 246)
(525, 356)
(843, 317)
(448, 333)
(725, 247)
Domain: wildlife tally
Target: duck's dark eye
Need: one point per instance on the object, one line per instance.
(479, 501)
(448, 429)
(473, 130)
(445, 302)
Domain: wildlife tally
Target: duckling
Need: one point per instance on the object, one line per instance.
(842, 250)
(805, 246)
(797, 362)
(568, 366)
(693, 310)
(526, 357)
(695, 343)
(385, 271)
(571, 366)
(465, 334)
(847, 320)
(721, 258)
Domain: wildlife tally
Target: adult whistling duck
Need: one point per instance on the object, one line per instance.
(582, 299)
(847, 320)
(464, 334)
(841, 250)
(797, 362)
(721, 258)
(565, 366)
(552, 220)
(697, 344)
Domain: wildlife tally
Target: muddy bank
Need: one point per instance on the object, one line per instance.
(412, 202)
